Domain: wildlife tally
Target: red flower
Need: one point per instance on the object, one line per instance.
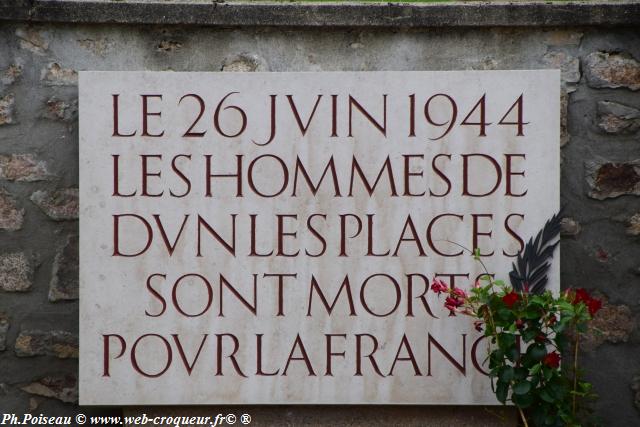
(439, 286)
(552, 360)
(519, 323)
(581, 296)
(594, 305)
(510, 299)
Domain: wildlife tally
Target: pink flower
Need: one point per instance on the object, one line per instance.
(438, 286)
(454, 302)
(459, 293)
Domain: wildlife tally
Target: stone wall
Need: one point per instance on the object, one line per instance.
(600, 181)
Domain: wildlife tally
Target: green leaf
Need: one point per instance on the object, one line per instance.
(585, 386)
(537, 351)
(530, 334)
(535, 369)
(520, 373)
(537, 300)
(523, 400)
(566, 306)
(496, 358)
(504, 314)
(558, 391)
(506, 374)
(506, 341)
(522, 387)
(502, 389)
(532, 314)
(513, 354)
(544, 395)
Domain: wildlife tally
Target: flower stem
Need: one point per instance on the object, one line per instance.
(524, 419)
(575, 372)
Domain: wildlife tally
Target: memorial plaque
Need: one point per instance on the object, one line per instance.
(270, 238)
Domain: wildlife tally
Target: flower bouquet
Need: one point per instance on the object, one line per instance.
(531, 333)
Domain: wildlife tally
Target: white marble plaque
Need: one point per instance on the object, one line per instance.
(269, 238)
